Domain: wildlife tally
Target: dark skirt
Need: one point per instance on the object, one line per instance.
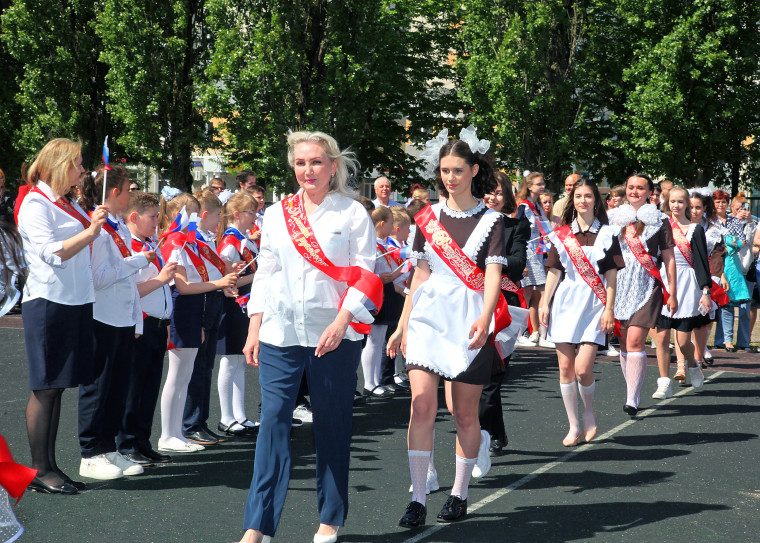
(233, 330)
(187, 318)
(393, 305)
(683, 325)
(58, 344)
(478, 372)
(648, 315)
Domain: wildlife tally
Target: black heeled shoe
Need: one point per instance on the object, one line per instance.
(454, 509)
(414, 516)
(40, 486)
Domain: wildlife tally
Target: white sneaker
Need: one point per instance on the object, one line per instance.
(612, 351)
(127, 467)
(431, 483)
(546, 343)
(523, 341)
(664, 388)
(696, 377)
(304, 413)
(99, 467)
(534, 337)
(179, 446)
(483, 465)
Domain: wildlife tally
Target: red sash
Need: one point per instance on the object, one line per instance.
(464, 268)
(139, 246)
(117, 239)
(306, 244)
(717, 293)
(178, 239)
(541, 228)
(644, 258)
(584, 267)
(389, 256)
(244, 252)
(65, 205)
(209, 254)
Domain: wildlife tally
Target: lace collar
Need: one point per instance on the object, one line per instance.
(594, 228)
(461, 214)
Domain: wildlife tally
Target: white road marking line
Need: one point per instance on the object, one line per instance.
(551, 465)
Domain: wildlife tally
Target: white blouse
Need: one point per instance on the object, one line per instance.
(209, 239)
(297, 300)
(117, 301)
(44, 227)
(157, 304)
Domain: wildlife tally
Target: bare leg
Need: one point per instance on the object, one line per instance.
(569, 391)
(662, 342)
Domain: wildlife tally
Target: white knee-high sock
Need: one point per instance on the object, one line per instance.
(636, 369)
(431, 464)
(570, 399)
(623, 359)
(175, 392)
(464, 468)
(587, 396)
(227, 366)
(238, 389)
(372, 354)
(418, 467)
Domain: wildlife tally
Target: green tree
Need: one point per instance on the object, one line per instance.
(59, 83)
(369, 72)
(156, 52)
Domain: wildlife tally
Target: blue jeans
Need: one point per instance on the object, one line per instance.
(724, 326)
(332, 382)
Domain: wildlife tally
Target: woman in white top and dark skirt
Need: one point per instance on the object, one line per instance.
(58, 298)
(646, 240)
(307, 301)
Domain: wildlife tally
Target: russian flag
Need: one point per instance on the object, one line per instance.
(106, 154)
(192, 228)
(180, 221)
(402, 252)
(242, 301)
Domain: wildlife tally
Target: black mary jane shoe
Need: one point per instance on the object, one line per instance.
(630, 410)
(230, 432)
(454, 509)
(219, 439)
(497, 447)
(39, 486)
(414, 516)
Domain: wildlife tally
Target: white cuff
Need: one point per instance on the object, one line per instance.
(354, 302)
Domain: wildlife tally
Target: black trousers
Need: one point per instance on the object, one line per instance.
(387, 364)
(490, 408)
(143, 387)
(101, 404)
(199, 390)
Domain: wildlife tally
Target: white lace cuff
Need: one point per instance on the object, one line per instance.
(497, 260)
(418, 255)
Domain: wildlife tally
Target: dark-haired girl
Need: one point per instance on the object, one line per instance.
(583, 311)
(115, 314)
(451, 316)
(646, 240)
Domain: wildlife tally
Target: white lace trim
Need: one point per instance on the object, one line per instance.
(690, 231)
(497, 260)
(483, 230)
(419, 255)
(430, 367)
(713, 236)
(634, 286)
(594, 228)
(461, 214)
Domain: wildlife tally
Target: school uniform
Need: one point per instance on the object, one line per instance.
(58, 295)
(146, 367)
(115, 314)
(233, 329)
(535, 260)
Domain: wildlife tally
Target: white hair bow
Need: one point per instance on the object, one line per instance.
(170, 192)
(224, 196)
(469, 136)
(433, 149)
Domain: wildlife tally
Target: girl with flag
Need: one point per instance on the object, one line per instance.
(529, 207)
(235, 247)
(191, 281)
(587, 250)
(115, 314)
(58, 297)
(646, 241)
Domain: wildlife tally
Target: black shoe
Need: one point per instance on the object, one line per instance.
(454, 509)
(138, 458)
(378, 392)
(155, 456)
(497, 447)
(66, 479)
(219, 439)
(359, 399)
(391, 387)
(230, 432)
(38, 486)
(201, 438)
(630, 410)
(414, 516)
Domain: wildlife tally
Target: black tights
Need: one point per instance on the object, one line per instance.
(42, 415)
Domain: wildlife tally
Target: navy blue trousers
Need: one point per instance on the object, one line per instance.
(198, 401)
(332, 382)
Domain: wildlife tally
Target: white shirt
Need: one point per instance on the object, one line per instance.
(157, 304)
(44, 227)
(117, 302)
(180, 256)
(297, 300)
(209, 239)
(231, 254)
(377, 203)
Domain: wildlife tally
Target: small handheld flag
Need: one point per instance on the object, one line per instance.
(192, 228)
(106, 168)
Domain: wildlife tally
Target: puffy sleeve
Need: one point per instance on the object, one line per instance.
(418, 245)
(613, 257)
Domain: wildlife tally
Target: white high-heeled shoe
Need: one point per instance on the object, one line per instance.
(319, 538)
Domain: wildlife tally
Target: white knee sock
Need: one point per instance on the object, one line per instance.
(636, 369)
(238, 389)
(587, 396)
(431, 463)
(623, 359)
(570, 398)
(462, 477)
(173, 397)
(227, 367)
(418, 467)
(372, 354)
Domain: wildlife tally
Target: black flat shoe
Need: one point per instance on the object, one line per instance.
(66, 479)
(497, 447)
(454, 509)
(219, 439)
(138, 458)
(414, 516)
(230, 432)
(155, 456)
(630, 410)
(39, 486)
(201, 438)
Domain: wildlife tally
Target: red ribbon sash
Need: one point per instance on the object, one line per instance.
(306, 244)
(14, 478)
(464, 268)
(244, 252)
(583, 266)
(209, 254)
(644, 258)
(117, 239)
(717, 293)
(178, 239)
(66, 206)
(139, 246)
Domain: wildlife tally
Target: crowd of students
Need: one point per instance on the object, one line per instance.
(116, 277)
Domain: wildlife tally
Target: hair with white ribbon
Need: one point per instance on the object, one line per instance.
(224, 196)
(432, 151)
(170, 192)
